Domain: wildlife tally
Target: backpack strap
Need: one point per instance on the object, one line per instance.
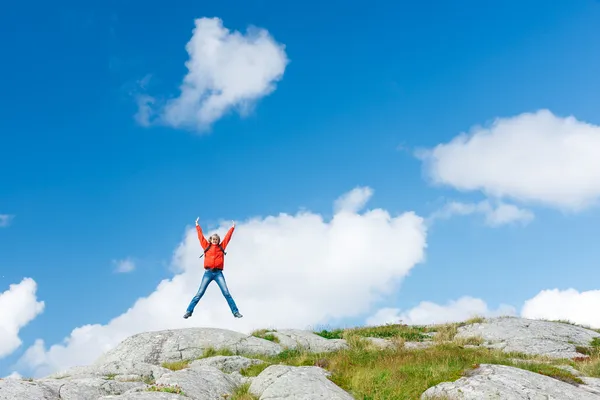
(208, 247)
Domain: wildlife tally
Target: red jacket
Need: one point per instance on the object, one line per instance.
(214, 257)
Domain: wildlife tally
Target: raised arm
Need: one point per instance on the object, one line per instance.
(203, 241)
(227, 237)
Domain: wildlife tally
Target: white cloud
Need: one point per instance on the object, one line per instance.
(537, 158)
(284, 271)
(124, 266)
(145, 111)
(5, 220)
(553, 304)
(354, 200)
(18, 307)
(14, 375)
(431, 313)
(495, 215)
(226, 70)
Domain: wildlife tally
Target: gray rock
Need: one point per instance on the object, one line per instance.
(227, 364)
(16, 389)
(90, 388)
(592, 385)
(307, 340)
(122, 370)
(254, 345)
(503, 382)
(180, 344)
(201, 382)
(552, 339)
(569, 369)
(146, 396)
(282, 382)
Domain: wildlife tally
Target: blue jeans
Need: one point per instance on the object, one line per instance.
(209, 276)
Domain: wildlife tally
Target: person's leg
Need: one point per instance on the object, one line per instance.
(220, 279)
(206, 279)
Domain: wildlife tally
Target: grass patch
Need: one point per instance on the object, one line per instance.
(469, 341)
(397, 373)
(390, 331)
(334, 334)
(176, 365)
(446, 332)
(166, 388)
(474, 320)
(242, 393)
(212, 352)
(254, 370)
(265, 334)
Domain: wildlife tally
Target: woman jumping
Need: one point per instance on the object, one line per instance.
(214, 260)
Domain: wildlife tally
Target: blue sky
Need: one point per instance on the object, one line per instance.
(366, 86)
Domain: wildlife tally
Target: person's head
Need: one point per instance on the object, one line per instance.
(214, 238)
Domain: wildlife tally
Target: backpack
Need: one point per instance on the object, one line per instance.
(208, 247)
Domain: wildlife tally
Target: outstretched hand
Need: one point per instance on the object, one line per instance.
(233, 224)
(197, 221)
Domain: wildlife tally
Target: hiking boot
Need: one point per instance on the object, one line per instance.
(237, 315)
(187, 315)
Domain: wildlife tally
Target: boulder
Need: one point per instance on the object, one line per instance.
(282, 382)
(180, 344)
(490, 381)
(307, 340)
(534, 337)
(227, 364)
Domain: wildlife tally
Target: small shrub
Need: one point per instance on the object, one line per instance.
(335, 334)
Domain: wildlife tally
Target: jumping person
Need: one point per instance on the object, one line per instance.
(214, 259)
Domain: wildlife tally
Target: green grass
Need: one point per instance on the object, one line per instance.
(265, 334)
(176, 365)
(398, 373)
(390, 331)
(242, 393)
(166, 388)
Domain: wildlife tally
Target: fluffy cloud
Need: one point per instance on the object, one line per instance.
(124, 266)
(354, 200)
(18, 307)
(14, 375)
(495, 215)
(284, 271)
(578, 307)
(5, 220)
(431, 313)
(537, 158)
(226, 70)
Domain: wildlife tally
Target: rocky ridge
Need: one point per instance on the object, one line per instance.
(183, 364)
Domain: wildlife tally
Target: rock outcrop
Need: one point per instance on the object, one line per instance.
(503, 382)
(181, 365)
(552, 339)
